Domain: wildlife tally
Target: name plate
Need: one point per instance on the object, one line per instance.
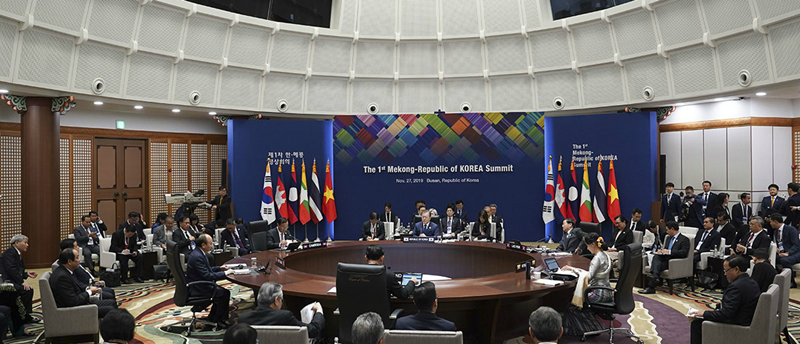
(419, 239)
(315, 245)
(511, 246)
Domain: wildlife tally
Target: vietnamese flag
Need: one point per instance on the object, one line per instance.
(280, 196)
(613, 195)
(328, 203)
(572, 193)
(293, 197)
(560, 201)
(586, 199)
(304, 215)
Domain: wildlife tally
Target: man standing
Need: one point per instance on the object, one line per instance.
(88, 241)
(693, 209)
(279, 237)
(572, 239)
(460, 213)
(709, 239)
(771, 204)
(233, 236)
(758, 238)
(270, 312)
(738, 303)
(372, 229)
(388, 216)
(791, 208)
(221, 205)
(67, 292)
(426, 228)
(418, 211)
(670, 204)
(13, 270)
(427, 302)
(707, 198)
(636, 220)
(742, 212)
(123, 243)
(199, 269)
(374, 256)
(677, 246)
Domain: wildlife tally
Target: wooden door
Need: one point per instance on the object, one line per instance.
(120, 180)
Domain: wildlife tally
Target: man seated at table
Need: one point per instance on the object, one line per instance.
(677, 246)
(82, 276)
(757, 238)
(426, 228)
(88, 241)
(706, 240)
(269, 312)
(572, 240)
(279, 237)
(123, 243)
(368, 329)
(199, 269)
(451, 225)
(12, 267)
(425, 320)
(654, 237)
(67, 292)
(374, 256)
(373, 229)
(164, 231)
(233, 236)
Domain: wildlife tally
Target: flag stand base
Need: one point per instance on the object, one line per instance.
(306, 230)
(317, 239)
(329, 239)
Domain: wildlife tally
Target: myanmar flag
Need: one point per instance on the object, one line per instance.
(293, 211)
(600, 194)
(586, 200)
(328, 203)
(613, 195)
(304, 215)
(280, 196)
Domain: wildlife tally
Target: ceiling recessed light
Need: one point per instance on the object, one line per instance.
(176, 110)
(761, 94)
(212, 113)
(138, 107)
(98, 103)
(3, 91)
(719, 99)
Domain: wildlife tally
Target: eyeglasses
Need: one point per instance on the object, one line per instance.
(725, 271)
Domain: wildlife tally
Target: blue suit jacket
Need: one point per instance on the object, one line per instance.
(433, 229)
(199, 269)
(424, 321)
(765, 205)
(672, 208)
(791, 242)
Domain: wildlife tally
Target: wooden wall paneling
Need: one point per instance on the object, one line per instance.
(65, 183)
(199, 175)
(82, 177)
(179, 155)
(781, 155)
(159, 178)
(11, 187)
(796, 153)
(218, 152)
(208, 174)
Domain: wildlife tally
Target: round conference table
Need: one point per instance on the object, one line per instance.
(486, 299)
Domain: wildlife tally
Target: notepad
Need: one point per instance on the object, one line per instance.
(332, 290)
(548, 282)
(241, 272)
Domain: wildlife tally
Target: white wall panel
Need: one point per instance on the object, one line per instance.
(327, 95)
(501, 16)
(113, 19)
(635, 33)
(239, 88)
(550, 49)
(376, 18)
(739, 164)
(679, 22)
(602, 85)
(459, 91)
(507, 54)
(782, 155)
(460, 18)
(785, 48)
(331, 56)
(692, 158)
(746, 52)
(205, 38)
(761, 156)
(647, 71)
(557, 84)
(511, 93)
(289, 52)
(418, 18)
(8, 35)
(693, 70)
(418, 58)
(715, 157)
(248, 46)
(462, 57)
(418, 96)
(161, 29)
(593, 42)
(372, 91)
(99, 61)
(671, 147)
(278, 86)
(374, 58)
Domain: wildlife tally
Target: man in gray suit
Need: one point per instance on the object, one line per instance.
(572, 239)
(88, 239)
(161, 233)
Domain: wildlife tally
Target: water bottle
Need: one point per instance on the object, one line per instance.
(253, 263)
(716, 251)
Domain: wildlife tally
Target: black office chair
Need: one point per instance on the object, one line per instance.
(631, 259)
(182, 297)
(361, 288)
(259, 241)
(253, 228)
(590, 227)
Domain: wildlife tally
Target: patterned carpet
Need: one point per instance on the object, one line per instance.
(657, 318)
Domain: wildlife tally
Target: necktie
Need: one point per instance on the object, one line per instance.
(97, 230)
(449, 224)
(778, 236)
(750, 241)
(425, 229)
(772, 203)
(126, 243)
(634, 226)
(373, 230)
(671, 242)
(238, 241)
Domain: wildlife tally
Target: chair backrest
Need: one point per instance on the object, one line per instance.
(105, 243)
(637, 236)
(254, 227)
(258, 241)
(422, 337)
(783, 280)
(282, 334)
(691, 237)
(175, 263)
(688, 230)
(764, 319)
(48, 301)
(631, 264)
(590, 227)
(773, 251)
(388, 227)
(360, 288)
(218, 236)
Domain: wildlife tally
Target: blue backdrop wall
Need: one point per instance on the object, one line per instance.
(251, 142)
(628, 138)
(375, 156)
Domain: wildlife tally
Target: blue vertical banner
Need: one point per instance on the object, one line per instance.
(252, 142)
(629, 139)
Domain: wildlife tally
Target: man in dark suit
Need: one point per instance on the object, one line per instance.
(279, 237)
(738, 303)
(425, 320)
(742, 212)
(67, 292)
(706, 240)
(763, 271)
(787, 242)
(758, 238)
(654, 238)
(670, 204)
(221, 205)
(12, 267)
(622, 235)
(88, 240)
(417, 216)
(82, 276)
(373, 229)
(707, 198)
(199, 269)
(676, 246)
(98, 224)
(692, 209)
(460, 213)
(233, 236)
(726, 229)
(426, 228)
(134, 219)
(572, 238)
(771, 204)
(388, 215)
(123, 243)
(184, 237)
(269, 312)
(636, 220)
(375, 255)
(450, 224)
(791, 208)
(496, 219)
